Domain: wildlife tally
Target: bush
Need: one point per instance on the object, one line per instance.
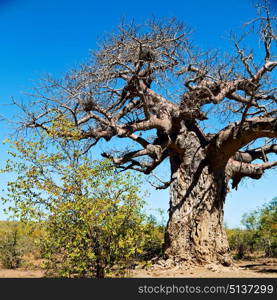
(94, 225)
(153, 239)
(242, 242)
(263, 225)
(268, 228)
(99, 232)
(260, 233)
(10, 250)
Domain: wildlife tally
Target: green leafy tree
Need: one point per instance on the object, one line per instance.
(268, 228)
(94, 225)
(99, 231)
(262, 225)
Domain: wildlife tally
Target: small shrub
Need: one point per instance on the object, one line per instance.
(153, 239)
(10, 250)
(242, 242)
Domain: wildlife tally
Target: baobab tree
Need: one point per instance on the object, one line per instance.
(148, 84)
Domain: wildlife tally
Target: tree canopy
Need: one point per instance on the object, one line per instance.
(151, 77)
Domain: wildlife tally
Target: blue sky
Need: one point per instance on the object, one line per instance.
(39, 37)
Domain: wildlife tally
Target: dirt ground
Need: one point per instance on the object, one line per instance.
(20, 273)
(260, 267)
(244, 268)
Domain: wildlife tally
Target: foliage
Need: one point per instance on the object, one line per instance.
(98, 233)
(260, 233)
(18, 239)
(242, 242)
(153, 239)
(94, 224)
(263, 222)
(10, 250)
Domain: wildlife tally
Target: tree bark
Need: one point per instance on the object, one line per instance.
(195, 230)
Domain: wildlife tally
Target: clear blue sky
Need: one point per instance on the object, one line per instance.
(39, 37)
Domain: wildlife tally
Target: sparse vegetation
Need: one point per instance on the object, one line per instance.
(260, 233)
(18, 239)
(71, 255)
(10, 250)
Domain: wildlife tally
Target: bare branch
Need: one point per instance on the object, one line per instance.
(235, 136)
(150, 85)
(253, 154)
(238, 170)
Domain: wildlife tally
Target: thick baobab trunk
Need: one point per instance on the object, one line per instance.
(195, 230)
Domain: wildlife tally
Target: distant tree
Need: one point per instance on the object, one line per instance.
(251, 220)
(263, 225)
(268, 228)
(151, 86)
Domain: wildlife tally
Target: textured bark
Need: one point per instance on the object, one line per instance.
(195, 230)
